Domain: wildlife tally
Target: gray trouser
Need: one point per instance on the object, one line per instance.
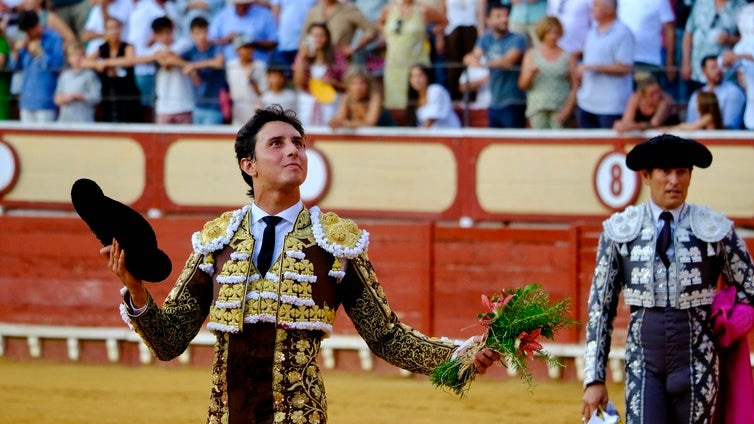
(671, 367)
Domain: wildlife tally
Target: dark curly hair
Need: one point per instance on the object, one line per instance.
(246, 138)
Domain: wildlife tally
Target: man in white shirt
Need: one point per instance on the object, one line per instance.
(652, 23)
(576, 18)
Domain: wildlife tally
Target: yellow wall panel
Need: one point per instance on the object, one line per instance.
(50, 164)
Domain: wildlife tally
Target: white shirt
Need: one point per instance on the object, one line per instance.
(645, 19)
(140, 31)
(460, 13)
(283, 227)
(438, 107)
(173, 88)
(118, 9)
(576, 18)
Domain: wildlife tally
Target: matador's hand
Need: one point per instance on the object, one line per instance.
(116, 261)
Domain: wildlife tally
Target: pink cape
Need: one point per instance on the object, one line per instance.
(732, 321)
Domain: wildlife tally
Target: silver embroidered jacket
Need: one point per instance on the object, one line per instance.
(706, 247)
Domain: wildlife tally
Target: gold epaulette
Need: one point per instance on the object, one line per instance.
(339, 236)
(217, 233)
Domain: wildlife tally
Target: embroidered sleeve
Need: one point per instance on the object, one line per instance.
(737, 269)
(603, 304)
(366, 305)
(167, 331)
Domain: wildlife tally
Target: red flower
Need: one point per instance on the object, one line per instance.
(497, 306)
(529, 343)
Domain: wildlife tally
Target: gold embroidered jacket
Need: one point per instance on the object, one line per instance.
(269, 328)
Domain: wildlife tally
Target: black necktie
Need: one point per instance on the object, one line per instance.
(264, 260)
(663, 240)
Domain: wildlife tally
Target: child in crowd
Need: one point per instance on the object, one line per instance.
(79, 90)
(474, 83)
(175, 95)
(205, 64)
(247, 80)
(278, 91)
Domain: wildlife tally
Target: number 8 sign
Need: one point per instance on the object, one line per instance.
(616, 186)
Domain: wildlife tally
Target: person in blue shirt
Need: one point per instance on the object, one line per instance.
(40, 56)
(248, 18)
(206, 68)
(503, 51)
(731, 98)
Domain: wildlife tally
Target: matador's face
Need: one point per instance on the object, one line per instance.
(668, 187)
(279, 163)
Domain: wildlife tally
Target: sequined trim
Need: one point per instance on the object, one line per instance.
(708, 225)
(624, 226)
(282, 296)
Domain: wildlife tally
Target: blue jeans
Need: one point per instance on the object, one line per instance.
(207, 116)
(590, 120)
(146, 88)
(511, 116)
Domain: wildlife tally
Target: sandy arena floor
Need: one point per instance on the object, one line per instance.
(47, 393)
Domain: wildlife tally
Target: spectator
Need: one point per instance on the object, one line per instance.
(206, 68)
(73, 14)
(5, 74)
(371, 8)
(94, 29)
(114, 62)
(708, 113)
(605, 72)
(404, 26)
(318, 73)
(245, 17)
(524, 16)
(361, 105)
(79, 90)
(175, 96)
(342, 21)
(648, 107)
(679, 87)
(576, 18)
(278, 91)
(503, 52)
(247, 80)
(653, 24)
(429, 104)
(140, 36)
(710, 30)
(40, 56)
(741, 59)
(290, 16)
(732, 100)
(474, 83)
(188, 10)
(50, 19)
(547, 74)
(465, 26)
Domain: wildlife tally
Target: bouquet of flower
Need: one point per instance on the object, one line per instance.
(517, 318)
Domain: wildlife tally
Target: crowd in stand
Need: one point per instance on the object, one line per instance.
(622, 64)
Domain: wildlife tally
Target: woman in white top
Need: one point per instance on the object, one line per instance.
(429, 104)
(465, 25)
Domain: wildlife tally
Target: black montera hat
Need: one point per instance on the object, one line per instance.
(668, 151)
(108, 219)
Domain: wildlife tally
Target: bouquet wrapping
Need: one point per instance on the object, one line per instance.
(515, 321)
